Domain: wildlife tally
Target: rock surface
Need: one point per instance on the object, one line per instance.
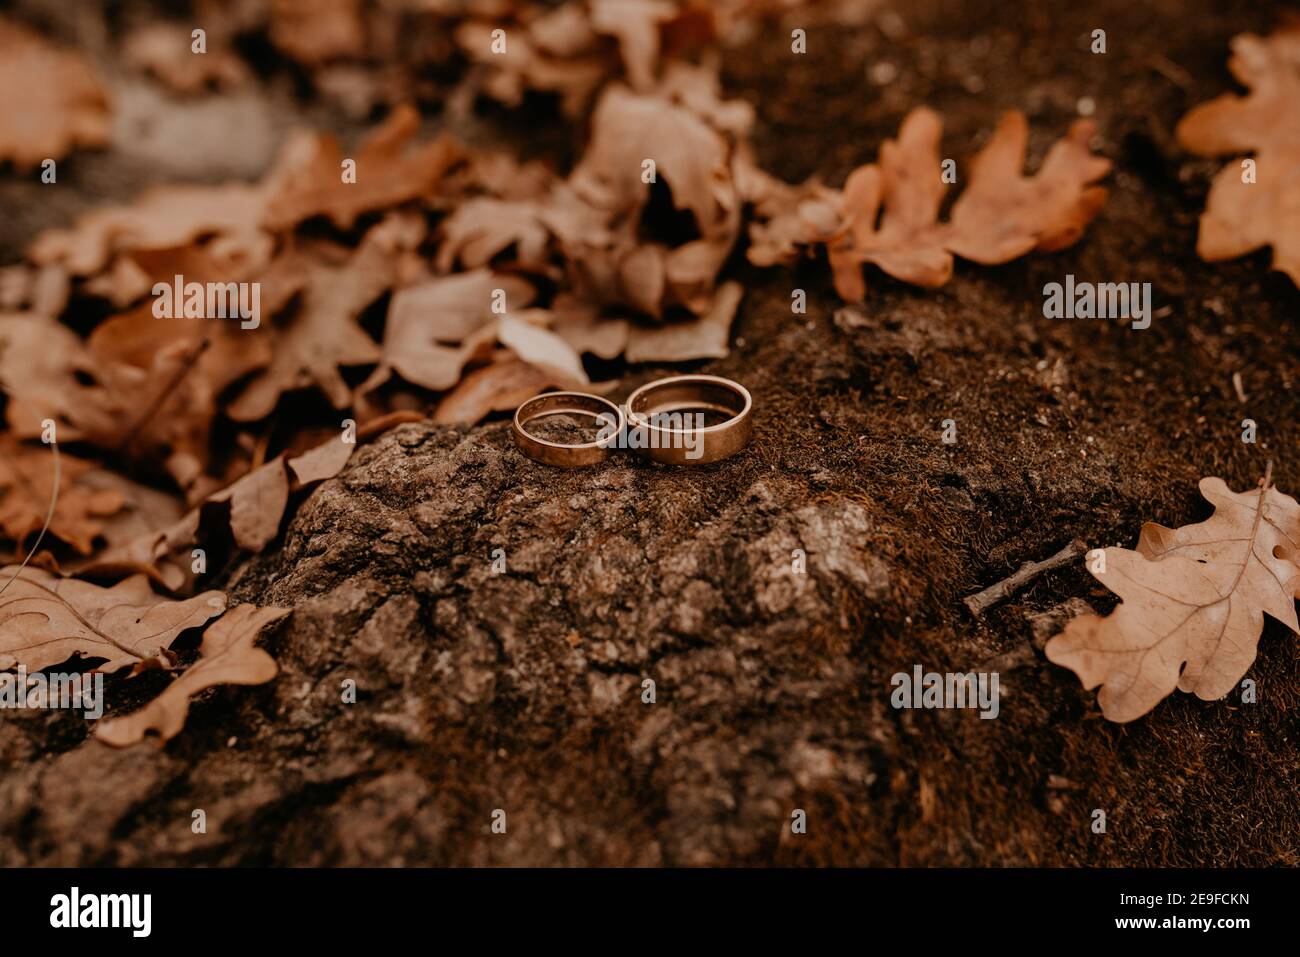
(500, 621)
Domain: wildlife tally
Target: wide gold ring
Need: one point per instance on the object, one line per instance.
(568, 455)
(660, 413)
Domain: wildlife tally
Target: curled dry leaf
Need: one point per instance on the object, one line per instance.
(503, 385)
(257, 502)
(580, 324)
(50, 100)
(137, 538)
(227, 656)
(1194, 600)
(171, 371)
(45, 620)
(1245, 213)
(526, 63)
(540, 347)
(701, 337)
(622, 267)
(480, 229)
(322, 462)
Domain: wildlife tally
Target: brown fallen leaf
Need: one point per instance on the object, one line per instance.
(227, 656)
(890, 209)
(322, 462)
(481, 229)
(541, 348)
(498, 387)
(48, 373)
(527, 64)
(162, 217)
(629, 128)
(700, 337)
(1245, 213)
(45, 620)
(323, 335)
(1194, 601)
(888, 212)
(171, 372)
(387, 173)
(635, 23)
(439, 325)
(1003, 214)
(620, 266)
(165, 51)
(149, 536)
(257, 502)
(580, 324)
(315, 31)
(50, 100)
(26, 486)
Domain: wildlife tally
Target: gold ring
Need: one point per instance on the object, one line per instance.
(660, 423)
(575, 455)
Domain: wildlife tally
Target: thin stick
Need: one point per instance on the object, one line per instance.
(982, 601)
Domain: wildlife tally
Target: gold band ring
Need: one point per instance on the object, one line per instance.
(659, 411)
(568, 455)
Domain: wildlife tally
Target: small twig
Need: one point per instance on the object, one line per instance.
(982, 601)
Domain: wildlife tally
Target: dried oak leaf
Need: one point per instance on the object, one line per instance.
(50, 100)
(482, 228)
(252, 508)
(323, 335)
(701, 337)
(45, 620)
(136, 537)
(171, 371)
(1243, 214)
(26, 484)
(891, 209)
(387, 173)
(227, 656)
(1194, 600)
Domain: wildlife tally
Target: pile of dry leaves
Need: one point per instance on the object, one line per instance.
(413, 276)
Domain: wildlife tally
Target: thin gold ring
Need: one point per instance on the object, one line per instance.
(568, 455)
(655, 409)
